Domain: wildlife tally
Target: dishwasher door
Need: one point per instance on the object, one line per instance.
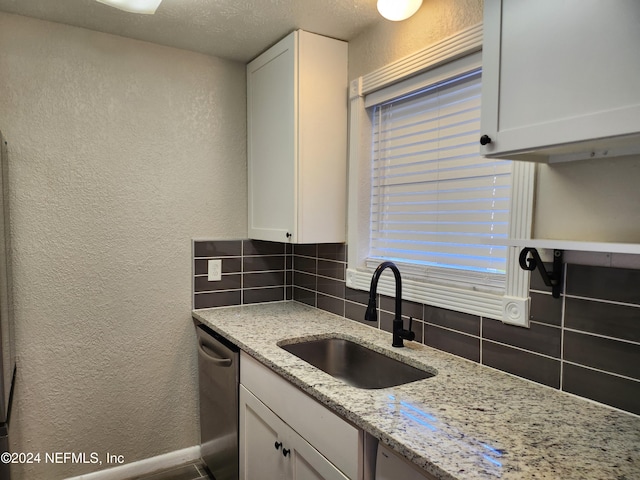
(218, 371)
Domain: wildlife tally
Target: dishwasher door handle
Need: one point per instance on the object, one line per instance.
(220, 362)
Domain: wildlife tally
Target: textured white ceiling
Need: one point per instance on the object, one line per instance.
(234, 29)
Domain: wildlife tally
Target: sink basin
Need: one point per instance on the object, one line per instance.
(355, 364)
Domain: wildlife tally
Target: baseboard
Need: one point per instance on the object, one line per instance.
(143, 467)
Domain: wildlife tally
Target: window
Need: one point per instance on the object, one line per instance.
(423, 197)
(434, 201)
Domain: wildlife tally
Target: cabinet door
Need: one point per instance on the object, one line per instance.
(271, 142)
(269, 448)
(307, 463)
(560, 78)
(260, 455)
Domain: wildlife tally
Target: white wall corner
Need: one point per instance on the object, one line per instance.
(515, 311)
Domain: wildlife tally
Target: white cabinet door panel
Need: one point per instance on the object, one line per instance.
(560, 79)
(269, 448)
(259, 457)
(272, 143)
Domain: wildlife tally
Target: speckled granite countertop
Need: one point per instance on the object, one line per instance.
(467, 422)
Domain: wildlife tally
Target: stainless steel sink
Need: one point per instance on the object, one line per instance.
(355, 364)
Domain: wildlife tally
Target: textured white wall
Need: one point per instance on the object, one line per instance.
(596, 200)
(121, 151)
(590, 200)
(386, 41)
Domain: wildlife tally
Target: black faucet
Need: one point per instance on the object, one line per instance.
(371, 315)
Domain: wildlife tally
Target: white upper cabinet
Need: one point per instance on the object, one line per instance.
(297, 140)
(561, 79)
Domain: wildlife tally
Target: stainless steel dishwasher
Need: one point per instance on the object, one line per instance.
(218, 372)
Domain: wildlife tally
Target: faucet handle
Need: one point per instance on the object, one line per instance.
(410, 334)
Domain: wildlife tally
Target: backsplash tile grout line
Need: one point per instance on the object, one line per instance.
(563, 310)
(242, 295)
(245, 288)
(481, 330)
(602, 300)
(599, 370)
(551, 357)
(534, 322)
(216, 291)
(598, 335)
(449, 329)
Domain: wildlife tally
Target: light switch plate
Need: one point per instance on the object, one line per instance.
(214, 270)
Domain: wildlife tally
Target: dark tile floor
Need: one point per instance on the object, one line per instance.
(190, 471)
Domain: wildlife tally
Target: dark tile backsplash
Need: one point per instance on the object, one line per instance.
(607, 319)
(586, 343)
(538, 368)
(252, 272)
(222, 248)
(538, 338)
(452, 341)
(616, 284)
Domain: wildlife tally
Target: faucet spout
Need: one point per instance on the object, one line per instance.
(399, 333)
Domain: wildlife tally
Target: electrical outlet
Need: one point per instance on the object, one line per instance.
(214, 270)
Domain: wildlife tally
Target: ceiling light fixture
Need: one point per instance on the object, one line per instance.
(397, 10)
(134, 6)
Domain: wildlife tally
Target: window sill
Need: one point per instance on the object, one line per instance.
(513, 310)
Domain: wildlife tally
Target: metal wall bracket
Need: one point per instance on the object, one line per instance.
(551, 279)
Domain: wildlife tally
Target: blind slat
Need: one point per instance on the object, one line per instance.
(435, 201)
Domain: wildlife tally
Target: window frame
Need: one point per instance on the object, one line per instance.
(450, 57)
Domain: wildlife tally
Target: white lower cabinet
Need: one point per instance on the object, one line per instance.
(285, 434)
(269, 448)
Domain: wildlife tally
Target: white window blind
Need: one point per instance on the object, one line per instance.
(435, 202)
(464, 286)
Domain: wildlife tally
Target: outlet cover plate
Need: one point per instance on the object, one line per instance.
(214, 270)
